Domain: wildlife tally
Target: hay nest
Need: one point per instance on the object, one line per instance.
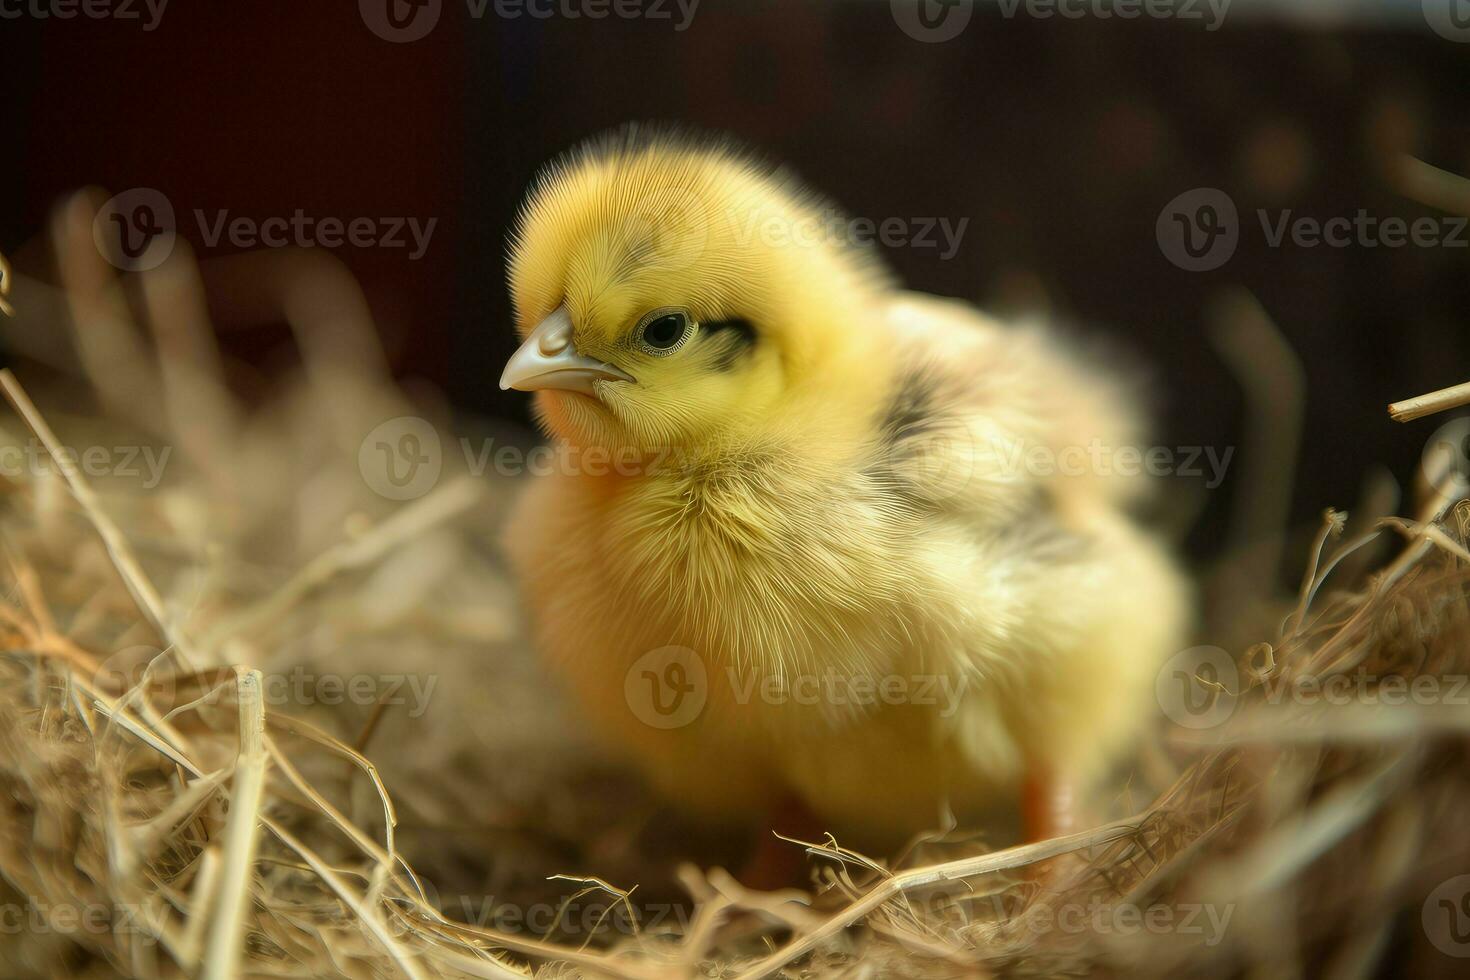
(166, 811)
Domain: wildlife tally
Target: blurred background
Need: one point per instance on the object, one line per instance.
(1058, 140)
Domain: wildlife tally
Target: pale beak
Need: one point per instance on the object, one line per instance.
(548, 360)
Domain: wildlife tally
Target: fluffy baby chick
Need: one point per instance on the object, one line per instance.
(836, 494)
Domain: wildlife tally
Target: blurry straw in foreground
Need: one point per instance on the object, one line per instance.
(1436, 401)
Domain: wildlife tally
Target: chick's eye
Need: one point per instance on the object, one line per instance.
(665, 332)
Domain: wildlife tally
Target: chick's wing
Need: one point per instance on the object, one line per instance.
(988, 419)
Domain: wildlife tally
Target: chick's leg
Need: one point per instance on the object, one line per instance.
(1049, 808)
(1048, 803)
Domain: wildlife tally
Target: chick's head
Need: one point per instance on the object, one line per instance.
(673, 294)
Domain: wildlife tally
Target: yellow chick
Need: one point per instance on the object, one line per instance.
(896, 573)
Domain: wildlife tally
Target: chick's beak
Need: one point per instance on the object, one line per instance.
(548, 360)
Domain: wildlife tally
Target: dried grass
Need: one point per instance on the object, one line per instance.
(210, 832)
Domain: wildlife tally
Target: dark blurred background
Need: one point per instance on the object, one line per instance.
(1061, 140)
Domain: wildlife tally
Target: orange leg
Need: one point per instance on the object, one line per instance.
(1048, 805)
(1048, 809)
